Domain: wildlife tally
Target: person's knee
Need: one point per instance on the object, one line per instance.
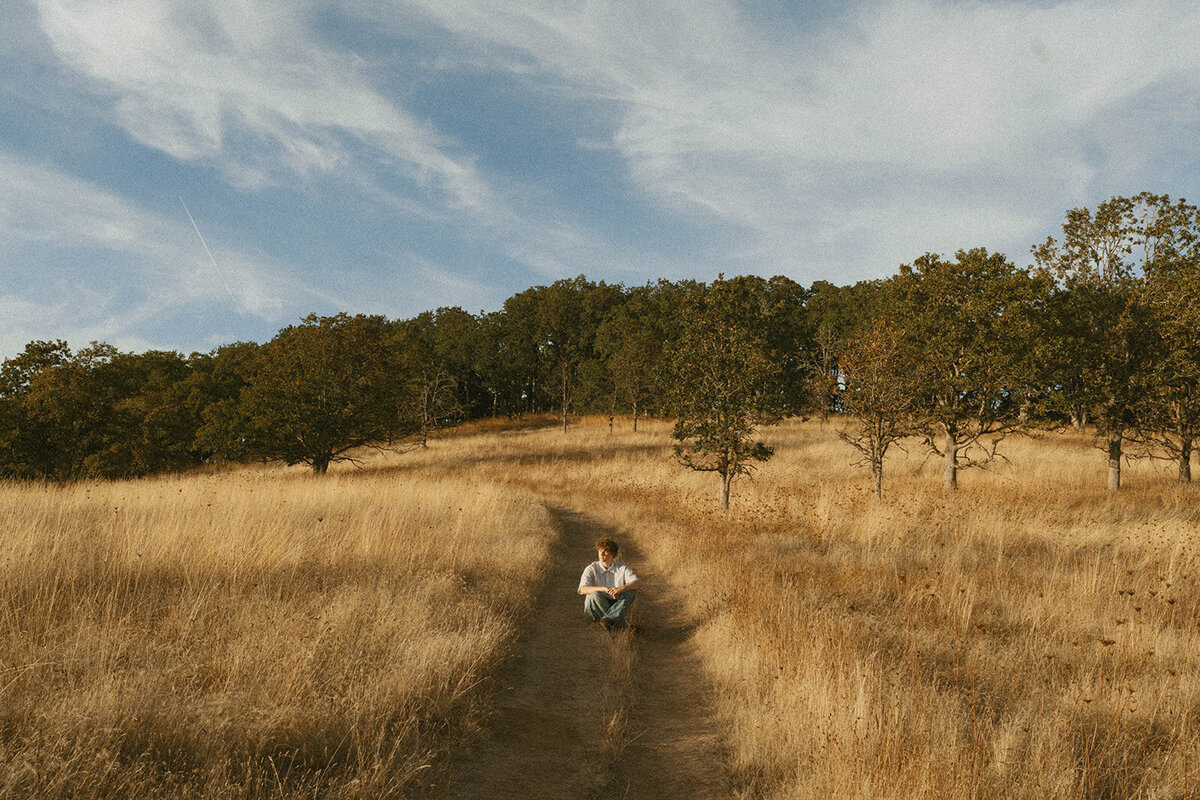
(595, 604)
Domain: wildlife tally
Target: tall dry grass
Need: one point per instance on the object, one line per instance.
(253, 633)
(259, 633)
(1031, 636)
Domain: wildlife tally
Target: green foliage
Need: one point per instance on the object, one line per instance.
(25, 448)
(215, 393)
(96, 414)
(155, 428)
(1103, 338)
(325, 387)
(788, 339)
(1167, 413)
(833, 315)
(544, 335)
(1100, 334)
(726, 379)
(878, 388)
(431, 364)
(629, 344)
(456, 349)
(969, 329)
(569, 313)
(516, 362)
(19, 372)
(962, 351)
(597, 392)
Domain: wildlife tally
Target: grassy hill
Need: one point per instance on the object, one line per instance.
(259, 632)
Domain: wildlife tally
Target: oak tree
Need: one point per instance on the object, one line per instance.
(1102, 327)
(877, 393)
(968, 328)
(725, 380)
(325, 387)
(1167, 416)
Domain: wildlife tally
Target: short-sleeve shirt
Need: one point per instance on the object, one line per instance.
(615, 576)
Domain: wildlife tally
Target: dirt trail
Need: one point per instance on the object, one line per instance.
(585, 713)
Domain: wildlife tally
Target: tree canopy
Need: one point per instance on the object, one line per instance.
(967, 328)
(726, 379)
(325, 387)
(1100, 331)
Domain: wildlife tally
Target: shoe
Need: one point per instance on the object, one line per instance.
(608, 624)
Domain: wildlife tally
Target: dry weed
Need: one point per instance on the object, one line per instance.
(251, 633)
(257, 632)
(1031, 636)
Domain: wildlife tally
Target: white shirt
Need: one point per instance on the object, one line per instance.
(615, 576)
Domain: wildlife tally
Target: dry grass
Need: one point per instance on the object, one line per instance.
(250, 634)
(1032, 636)
(259, 633)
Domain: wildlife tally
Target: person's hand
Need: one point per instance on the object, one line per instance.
(613, 593)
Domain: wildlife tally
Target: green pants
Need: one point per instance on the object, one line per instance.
(599, 605)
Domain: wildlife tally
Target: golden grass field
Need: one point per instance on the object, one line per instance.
(255, 633)
(260, 633)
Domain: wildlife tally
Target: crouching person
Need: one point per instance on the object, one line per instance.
(609, 587)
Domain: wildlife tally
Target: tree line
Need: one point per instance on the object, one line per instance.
(1100, 330)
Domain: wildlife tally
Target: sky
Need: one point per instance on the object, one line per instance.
(182, 174)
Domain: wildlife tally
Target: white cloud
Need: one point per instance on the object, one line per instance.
(248, 86)
(954, 124)
(835, 150)
(95, 266)
(188, 77)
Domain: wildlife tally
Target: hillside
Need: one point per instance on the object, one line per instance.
(410, 628)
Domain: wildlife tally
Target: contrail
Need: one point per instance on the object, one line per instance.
(224, 274)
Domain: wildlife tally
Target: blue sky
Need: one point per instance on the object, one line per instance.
(393, 156)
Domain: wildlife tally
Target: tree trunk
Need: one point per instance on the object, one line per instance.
(320, 464)
(1114, 461)
(725, 481)
(565, 386)
(1185, 460)
(635, 415)
(950, 462)
(877, 477)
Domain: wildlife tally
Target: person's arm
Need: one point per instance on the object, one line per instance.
(585, 586)
(615, 592)
(633, 584)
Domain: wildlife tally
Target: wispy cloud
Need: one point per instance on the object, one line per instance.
(950, 123)
(245, 86)
(250, 88)
(673, 138)
(93, 265)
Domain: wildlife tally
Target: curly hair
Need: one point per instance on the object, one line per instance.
(608, 546)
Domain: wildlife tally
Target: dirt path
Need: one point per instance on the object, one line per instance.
(586, 713)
